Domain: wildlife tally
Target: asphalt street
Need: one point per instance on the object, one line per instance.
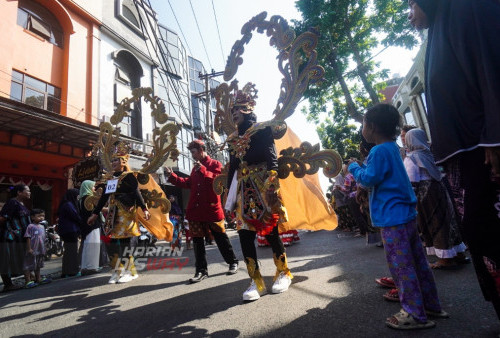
(333, 294)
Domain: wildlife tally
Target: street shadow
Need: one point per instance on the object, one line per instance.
(65, 302)
(168, 317)
(360, 312)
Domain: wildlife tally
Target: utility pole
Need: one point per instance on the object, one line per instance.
(206, 93)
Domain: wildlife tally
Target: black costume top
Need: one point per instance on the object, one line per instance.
(127, 192)
(462, 75)
(261, 149)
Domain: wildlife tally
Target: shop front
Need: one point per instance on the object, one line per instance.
(38, 148)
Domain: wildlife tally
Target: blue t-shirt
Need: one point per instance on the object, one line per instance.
(392, 200)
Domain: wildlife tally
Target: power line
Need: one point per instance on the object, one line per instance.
(179, 25)
(161, 56)
(201, 36)
(218, 33)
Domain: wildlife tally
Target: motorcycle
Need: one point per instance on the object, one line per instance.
(146, 239)
(53, 243)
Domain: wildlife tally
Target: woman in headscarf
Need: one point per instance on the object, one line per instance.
(14, 219)
(91, 236)
(122, 192)
(436, 219)
(69, 228)
(253, 182)
(462, 82)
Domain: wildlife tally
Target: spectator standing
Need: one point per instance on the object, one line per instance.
(393, 209)
(35, 250)
(91, 234)
(69, 228)
(462, 82)
(14, 219)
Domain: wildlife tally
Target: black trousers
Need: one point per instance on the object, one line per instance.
(247, 240)
(224, 245)
(70, 262)
(481, 221)
(118, 245)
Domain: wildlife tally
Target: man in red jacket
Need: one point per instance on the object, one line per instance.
(204, 211)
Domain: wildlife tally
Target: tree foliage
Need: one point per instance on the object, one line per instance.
(351, 30)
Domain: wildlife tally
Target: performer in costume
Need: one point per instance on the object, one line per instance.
(204, 211)
(122, 192)
(133, 196)
(253, 180)
(253, 175)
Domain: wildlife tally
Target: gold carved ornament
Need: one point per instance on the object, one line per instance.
(163, 142)
(154, 199)
(220, 181)
(307, 159)
(91, 201)
(164, 137)
(297, 61)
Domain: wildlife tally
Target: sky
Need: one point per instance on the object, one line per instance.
(260, 65)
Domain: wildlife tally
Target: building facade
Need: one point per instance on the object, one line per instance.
(410, 98)
(84, 58)
(48, 97)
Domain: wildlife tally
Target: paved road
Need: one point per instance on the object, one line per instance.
(333, 295)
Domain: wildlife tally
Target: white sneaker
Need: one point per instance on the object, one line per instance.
(252, 293)
(127, 277)
(114, 278)
(282, 283)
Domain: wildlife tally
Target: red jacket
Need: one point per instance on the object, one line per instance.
(204, 204)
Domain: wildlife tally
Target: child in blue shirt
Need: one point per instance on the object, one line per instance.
(393, 210)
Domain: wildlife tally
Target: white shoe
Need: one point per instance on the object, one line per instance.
(252, 293)
(282, 283)
(114, 278)
(127, 277)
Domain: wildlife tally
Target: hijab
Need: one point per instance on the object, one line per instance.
(86, 188)
(420, 153)
(71, 196)
(429, 7)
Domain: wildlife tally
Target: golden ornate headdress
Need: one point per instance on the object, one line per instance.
(245, 98)
(164, 144)
(297, 61)
(122, 150)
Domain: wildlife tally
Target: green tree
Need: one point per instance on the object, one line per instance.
(350, 31)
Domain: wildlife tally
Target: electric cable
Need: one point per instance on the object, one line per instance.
(201, 36)
(218, 33)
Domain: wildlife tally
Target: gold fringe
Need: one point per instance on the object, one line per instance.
(281, 266)
(254, 273)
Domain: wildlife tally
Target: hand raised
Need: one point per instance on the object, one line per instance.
(167, 171)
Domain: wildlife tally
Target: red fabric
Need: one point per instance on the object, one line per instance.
(204, 204)
(264, 228)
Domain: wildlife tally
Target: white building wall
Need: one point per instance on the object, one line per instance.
(109, 47)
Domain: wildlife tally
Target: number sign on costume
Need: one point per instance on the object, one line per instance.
(111, 186)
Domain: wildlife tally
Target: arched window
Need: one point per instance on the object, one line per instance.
(127, 12)
(39, 20)
(128, 75)
(414, 82)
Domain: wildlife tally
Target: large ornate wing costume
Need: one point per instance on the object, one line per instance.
(163, 146)
(297, 61)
